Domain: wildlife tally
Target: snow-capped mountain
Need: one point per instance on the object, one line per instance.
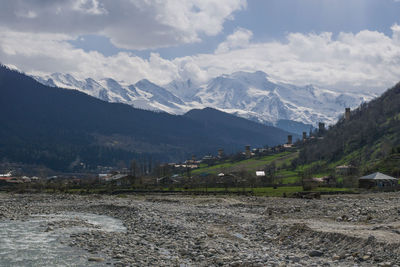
(144, 94)
(256, 96)
(251, 95)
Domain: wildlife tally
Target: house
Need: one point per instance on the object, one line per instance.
(227, 179)
(118, 179)
(378, 180)
(6, 174)
(26, 179)
(166, 180)
(346, 170)
(312, 182)
(10, 180)
(329, 180)
(260, 173)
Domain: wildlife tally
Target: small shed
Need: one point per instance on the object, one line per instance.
(118, 179)
(377, 180)
(260, 173)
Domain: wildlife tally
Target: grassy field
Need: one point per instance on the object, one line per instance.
(264, 191)
(249, 165)
(282, 176)
(257, 191)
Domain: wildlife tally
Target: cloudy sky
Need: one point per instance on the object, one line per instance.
(342, 44)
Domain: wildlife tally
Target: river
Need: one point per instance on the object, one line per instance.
(42, 240)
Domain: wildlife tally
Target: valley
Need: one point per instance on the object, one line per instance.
(218, 133)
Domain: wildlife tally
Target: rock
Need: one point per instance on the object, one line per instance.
(96, 259)
(294, 259)
(118, 256)
(365, 257)
(336, 257)
(371, 239)
(315, 253)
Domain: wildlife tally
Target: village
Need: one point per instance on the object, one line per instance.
(266, 167)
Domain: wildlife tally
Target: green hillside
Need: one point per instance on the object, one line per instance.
(369, 140)
(279, 162)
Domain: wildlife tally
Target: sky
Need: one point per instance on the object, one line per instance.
(346, 45)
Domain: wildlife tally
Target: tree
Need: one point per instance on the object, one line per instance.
(270, 170)
(133, 171)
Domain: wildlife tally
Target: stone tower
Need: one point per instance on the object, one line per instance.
(247, 151)
(220, 153)
(289, 139)
(321, 127)
(347, 114)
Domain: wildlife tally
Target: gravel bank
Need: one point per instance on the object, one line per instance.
(344, 230)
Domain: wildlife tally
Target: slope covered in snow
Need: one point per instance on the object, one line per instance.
(250, 95)
(254, 95)
(144, 94)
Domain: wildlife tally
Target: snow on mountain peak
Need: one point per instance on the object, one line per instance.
(252, 95)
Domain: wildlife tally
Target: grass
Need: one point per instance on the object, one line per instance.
(283, 176)
(333, 189)
(289, 190)
(258, 191)
(263, 191)
(290, 180)
(285, 173)
(249, 165)
(279, 191)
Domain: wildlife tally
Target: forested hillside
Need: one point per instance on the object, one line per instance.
(58, 128)
(370, 139)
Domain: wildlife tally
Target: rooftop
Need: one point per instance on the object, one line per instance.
(377, 176)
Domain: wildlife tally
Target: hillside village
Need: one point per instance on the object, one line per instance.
(265, 167)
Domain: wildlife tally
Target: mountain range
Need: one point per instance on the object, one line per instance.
(57, 128)
(254, 96)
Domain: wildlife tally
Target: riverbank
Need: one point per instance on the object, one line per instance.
(228, 230)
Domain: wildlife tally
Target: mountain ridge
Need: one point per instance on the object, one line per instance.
(254, 96)
(55, 127)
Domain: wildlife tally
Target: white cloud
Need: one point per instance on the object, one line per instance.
(396, 32)
(239, 39)
(367, 60)
(130, 24)
(48, 53)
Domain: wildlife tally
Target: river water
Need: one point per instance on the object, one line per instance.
(33, 243)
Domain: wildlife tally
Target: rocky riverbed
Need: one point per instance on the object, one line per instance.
(345, 230)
